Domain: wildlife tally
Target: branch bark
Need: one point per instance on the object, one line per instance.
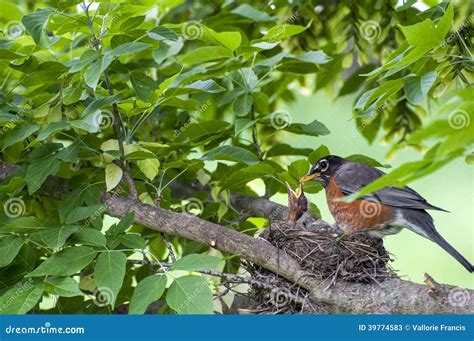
(391, 296)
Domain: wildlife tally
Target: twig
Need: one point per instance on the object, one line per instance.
(130, 183)
(231, 278)
(255, 137)
(119, 128)
(169, 247)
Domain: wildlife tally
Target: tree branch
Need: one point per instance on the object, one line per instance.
(391, 296)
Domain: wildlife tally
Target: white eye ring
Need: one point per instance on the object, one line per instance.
(324, 165)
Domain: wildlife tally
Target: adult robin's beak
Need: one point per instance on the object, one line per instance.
(309, 177)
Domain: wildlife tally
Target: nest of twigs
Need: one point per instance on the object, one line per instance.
(326, 254)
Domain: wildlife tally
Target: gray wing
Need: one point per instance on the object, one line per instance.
(354, 176)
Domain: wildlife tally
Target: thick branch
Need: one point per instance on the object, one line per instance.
(391, 296)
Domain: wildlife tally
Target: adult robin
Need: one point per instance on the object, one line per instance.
(380, 213)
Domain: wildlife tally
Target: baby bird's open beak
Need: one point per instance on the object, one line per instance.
(297, 202)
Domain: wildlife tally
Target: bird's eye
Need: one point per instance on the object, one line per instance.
(323, 165)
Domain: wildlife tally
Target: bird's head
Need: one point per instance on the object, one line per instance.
(324, 169)
(297, 202)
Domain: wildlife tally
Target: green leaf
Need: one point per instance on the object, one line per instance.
(190, 295)
(367, 160)
(148, 290)
(167, 82)
(231, 153)
(73, 93)
(100, 103)
(113, 175)
(81, 213)
(265, 45)
(445, 22)
(94, 71)
(185, 104)
(196, 262)
(21, 224)
(318, 153)
(21, 298)
(66, 262)
(247, 11)
(39, 170)
(207, 86)
(73, 200)
(286, 149)
(240, 124)
(206, 54)
(313, 208)
(314, 128)
(122, 225)
(283, 31)
(149, 167)
(128, 48)
(90, 237)
(243, 104)
(87, 57)
(162, 33)
(51, 129)
(54, 238)
(109, 272)
(196, 131)
(62, 286)
(143, 85)
(422, 34)
(9, 248)
(90, 123)
(315, 57)
(133, 241)
(416, 88)
(35, 25)
(19, 133)
(298, 168)
(238, 179)
(230, 40)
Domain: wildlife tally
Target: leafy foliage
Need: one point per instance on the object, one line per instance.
(191, 91)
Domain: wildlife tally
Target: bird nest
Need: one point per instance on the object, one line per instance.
(327, 255)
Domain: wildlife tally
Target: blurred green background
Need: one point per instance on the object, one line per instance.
(451, 188)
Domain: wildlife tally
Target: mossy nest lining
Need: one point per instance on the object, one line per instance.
(326, 254)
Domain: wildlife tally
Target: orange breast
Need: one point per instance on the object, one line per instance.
(357, 216)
